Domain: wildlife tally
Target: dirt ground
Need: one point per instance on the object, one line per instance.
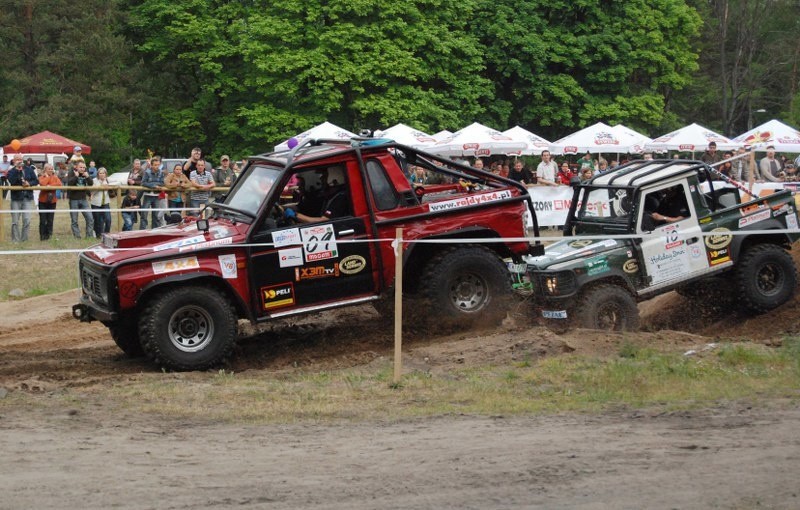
(732, 456)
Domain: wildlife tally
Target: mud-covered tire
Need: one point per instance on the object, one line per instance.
(468, 284)
(765, 278)
(126, 336)
(607, 307)
(188, 328)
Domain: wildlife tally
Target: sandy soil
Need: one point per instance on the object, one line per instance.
(728, 457)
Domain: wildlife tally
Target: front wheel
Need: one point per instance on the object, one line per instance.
(608, 307)
(468, 284)
(126, 336)
(765, 277)
(188, 328)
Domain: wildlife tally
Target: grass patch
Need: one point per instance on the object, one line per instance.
(560, 384)
(38, 274)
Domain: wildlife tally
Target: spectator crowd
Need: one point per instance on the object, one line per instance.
(167, 194)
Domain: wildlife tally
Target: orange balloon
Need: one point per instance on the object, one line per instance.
(15, 144)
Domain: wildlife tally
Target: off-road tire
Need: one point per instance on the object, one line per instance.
(126, 336)
(188, 328)
(765, 278)
(466, 284)
(607, 307)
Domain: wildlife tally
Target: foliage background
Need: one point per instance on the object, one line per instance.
(127, 76)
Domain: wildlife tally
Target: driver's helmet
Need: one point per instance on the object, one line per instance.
(335, 176)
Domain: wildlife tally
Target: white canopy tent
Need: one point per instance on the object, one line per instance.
(691, 138)
(476, 140)
(632, 140)
(784, 138)
(536, 144)
(441, 135)
(407, 135)
(324, 130)
(596, 139)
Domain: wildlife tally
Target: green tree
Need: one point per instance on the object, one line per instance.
(559, 65)
(66, 70)
(749, 58)
(362, 64)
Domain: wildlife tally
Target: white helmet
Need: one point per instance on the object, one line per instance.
(335, 175)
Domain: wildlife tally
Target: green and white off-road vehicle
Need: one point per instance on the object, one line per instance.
(654, 226)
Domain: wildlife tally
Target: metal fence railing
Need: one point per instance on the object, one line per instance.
(62, 206)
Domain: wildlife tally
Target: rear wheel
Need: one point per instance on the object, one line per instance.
(188, 328)
(607, 307)
(765, 277)
(468, 284)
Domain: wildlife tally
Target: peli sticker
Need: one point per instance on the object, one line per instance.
(276, 296)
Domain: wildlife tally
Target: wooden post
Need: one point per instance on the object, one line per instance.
(398, 305)
(119, 206)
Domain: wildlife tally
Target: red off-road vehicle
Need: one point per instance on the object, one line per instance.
(176, 293)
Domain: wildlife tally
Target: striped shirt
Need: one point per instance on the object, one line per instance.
(204, 178)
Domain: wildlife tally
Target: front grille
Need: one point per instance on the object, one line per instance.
(94, 282)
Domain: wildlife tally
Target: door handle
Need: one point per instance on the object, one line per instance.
(347, 232)
(692, 240)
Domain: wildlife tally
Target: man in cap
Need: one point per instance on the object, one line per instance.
(223, 177)
(21, 200)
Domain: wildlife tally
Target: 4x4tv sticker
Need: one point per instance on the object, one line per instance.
(276, 296)
(319, 243)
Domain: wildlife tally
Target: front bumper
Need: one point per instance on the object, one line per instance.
(88, 311)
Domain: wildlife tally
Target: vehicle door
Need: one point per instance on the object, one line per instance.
(671, 251)
(301, 265)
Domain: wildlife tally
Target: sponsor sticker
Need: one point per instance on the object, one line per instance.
(207, 244)
(290, 257)
(755, 218)
(179, 243)
(580, 243)
(276, 296)
(630, 266)
(316, 272)
(286, 237)
(716, 257)
(171, 266)
(101, 253)
(352, 264)
(672, 237)
(227, 264)
(482, 198)
(719, 238)
(791, 220)
(597, 266)
(319, 243)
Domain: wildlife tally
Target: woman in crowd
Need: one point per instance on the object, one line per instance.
(47, 201)
(101, 204)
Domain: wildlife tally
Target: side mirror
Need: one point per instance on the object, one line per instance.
(202, 225)
(574, 181)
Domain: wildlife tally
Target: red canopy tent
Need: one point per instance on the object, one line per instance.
(48, 143)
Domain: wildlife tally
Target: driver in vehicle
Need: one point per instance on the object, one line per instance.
(330, 201)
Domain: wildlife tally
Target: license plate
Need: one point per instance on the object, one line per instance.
(554, 314)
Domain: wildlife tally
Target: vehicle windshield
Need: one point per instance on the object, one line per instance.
(605, 205)
(252, 188)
